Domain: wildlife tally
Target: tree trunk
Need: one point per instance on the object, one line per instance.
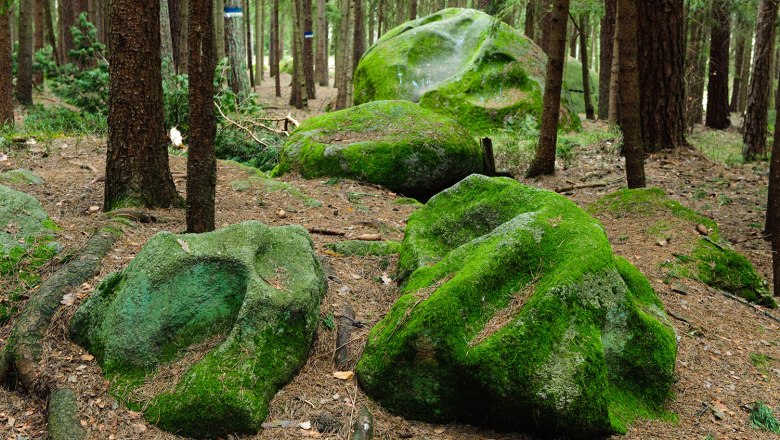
(6, 71)
(589, 111)
(184, 47)
(629, 92)
(275, 50)
(359, 46)
(24, 67)
(38, 40)
(412, 10)
(298, 92)
(661, 60)
(754, 136)
(614, 87)
(544, 162)
(238, 81)
(572, 34)
(49, 32)
(201, 160)
(321, 62)
(745, 76)
(717, 115)
(248, 27)
(606, 42)
(137, 170)
(174, 16)
(695, 63)
(739, 61)
(545, 21)
(219, 30)
(345, 55)
(260, 39)
(308, 49)
(166, 41)
(380, 19)
(530, 22)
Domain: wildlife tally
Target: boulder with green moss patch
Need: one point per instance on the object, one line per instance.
(516, 315)
(457, 63)
(254, 289)
(22, 220)
(709, 259)
(396, 144)
(21, 176)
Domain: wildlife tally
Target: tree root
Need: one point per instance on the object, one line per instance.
(23, 351)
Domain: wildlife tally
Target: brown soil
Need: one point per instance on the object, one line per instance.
(717, 335)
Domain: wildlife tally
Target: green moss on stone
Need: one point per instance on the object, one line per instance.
(363, 248)
(709, 260)
(260, 287)
(460, 63)
(20, 176)
(512, 302)
(396, 144)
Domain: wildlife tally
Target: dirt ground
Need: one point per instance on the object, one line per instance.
(718, 336)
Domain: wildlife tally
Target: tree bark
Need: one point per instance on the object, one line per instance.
(545, 20)
(184, 47)
(717, 115)
(174, 15)
(219, 30)
(345, 56)
(6, 70)
(530, 19)
(661, 58)
(238, 81)
(606, 39)
(359, 46)
(695, 63)
(308, 50)
(38, 40)
(298, 92)
(50, 32)
(248, 27)
(745, 76)
(629, 93)
(412, 10)
(754, 135)
(275, 49)
(260, 39)
(201, 160)
(614, 87)
(739, 61)
(166, 41)
(137, 171)
(590, 113)
(321, 62)
(24, 68)
(544, 162)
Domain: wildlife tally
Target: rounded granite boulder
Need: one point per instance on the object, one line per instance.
(516, 315)
(395, 144)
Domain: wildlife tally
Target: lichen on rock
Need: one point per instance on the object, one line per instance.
(461, 63)
(255, 289)
(513, 303)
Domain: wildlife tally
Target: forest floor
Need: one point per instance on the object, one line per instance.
(729, 353)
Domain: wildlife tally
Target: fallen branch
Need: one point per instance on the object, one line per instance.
(343, 334)
(582, 186)
(83, 166)
(240, 126)
(323, 231)
(364, 425)
(62, 418)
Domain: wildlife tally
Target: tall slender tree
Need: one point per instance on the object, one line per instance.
(50, 32)
(6, 72)
(717, 115)
(275, 48)
(308, 48)
(137, 171)
(530, 19)
(298, 91)
(38, 39)
(166, 41)
(606, 38)
(695, 65)
(219, 29)
(754, 134)
(236, 47)
(628, 80)
(739, 61)
(201, 160)
(24, 73)
(359, 45)
(590, 112)
(544, 162)
(321, 36)
(260, 39)
(661, 33)
(248, 27)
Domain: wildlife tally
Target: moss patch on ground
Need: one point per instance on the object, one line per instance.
(502, 309)
(460, 63)
(396, 144)
(256, 289)
(710, 258)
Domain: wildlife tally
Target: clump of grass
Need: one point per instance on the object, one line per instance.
(761, 417)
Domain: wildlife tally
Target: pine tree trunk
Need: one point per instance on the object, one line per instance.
(717, 115)
(412, 9)
(380, 19)
(201, 160)
(219, 30)
(166, 41)
(137, 170)
(371, 26)
(238, 81)
(530, 23)
(49, 30)
(695, 63)
(661, 59)
(174, 16)
(606, 39)
(298, 93)
(103, 28)
(184, 47)
(544, 162)
(754, 135)
(248, 27)
(6, 71)
(359, 46)
(739, 61)
(572, 34)
(308, 50)
(24, 72)
(260, 39)
(629, 92)
(590, 113)
(744, 84)
(613, 116)
(275, 49)
(345, 53)
(321, 62)
(38, 41)
(545, 19)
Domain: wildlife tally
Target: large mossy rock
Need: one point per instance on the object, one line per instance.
(396, 144)
(457, 63)
(516, 315)
(254, 289)
(22, 220)
(707, 258)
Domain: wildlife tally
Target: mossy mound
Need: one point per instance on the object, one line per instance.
(572, 75)
(396, 144)
(352, 248)
(460, 63)
(516, 315)
(22, 220)
(20, 176)
(709, 259)
(255, 290)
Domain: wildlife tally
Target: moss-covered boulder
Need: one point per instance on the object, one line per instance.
(707, 258)
(516, 315)
(572, 75)
(249, 291)
(460, 63)
(396, 144)
(21, 176)
(22, 220)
